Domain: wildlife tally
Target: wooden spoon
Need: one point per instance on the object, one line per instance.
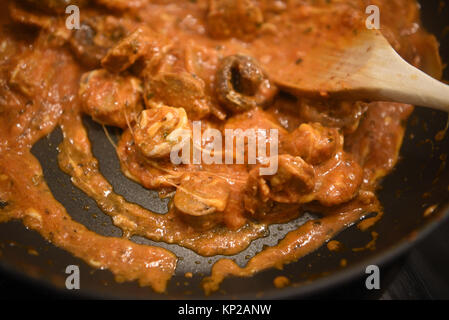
(365, 67)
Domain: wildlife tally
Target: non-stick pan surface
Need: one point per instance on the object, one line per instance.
(420, 180)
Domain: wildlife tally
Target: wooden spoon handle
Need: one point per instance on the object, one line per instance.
(388, 76)
(365, 67)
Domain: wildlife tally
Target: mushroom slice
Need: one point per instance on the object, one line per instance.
(161, 130)
(201, 200)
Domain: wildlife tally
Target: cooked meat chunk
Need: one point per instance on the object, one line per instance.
(35, 70)
(294, 182)
(201, 199)
(159, 130)
(150, 173)
(34, 91)
(111, 99)
(338, 114)
(241, 84)
(277, 197)
(95, 37)
(340, 182)
(268, 130)
(180, 90)
(294, 178)
(138, 44)
(255, 119)
(314, 143)
(233, 18)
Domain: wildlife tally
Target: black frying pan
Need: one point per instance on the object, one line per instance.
(420, 179)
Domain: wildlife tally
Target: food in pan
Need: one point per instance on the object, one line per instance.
(170, 76)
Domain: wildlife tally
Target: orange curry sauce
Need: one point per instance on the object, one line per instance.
(144, 54)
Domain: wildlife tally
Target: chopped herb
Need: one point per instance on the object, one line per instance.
(299, 60)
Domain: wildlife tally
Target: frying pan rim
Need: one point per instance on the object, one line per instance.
(301, 291)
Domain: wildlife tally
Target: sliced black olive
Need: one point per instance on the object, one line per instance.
(241, 84)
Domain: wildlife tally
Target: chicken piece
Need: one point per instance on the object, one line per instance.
(138, 44)
(161, 130)
(233, 18)
(293, 183)
(236, 177)
(339, 180)
(242, 85)
(314, 143)
(338, 114)
(111, 99)
(179, 90)
(47, 78)
(201, 199)
(150, 173)
(255, 119)
(294, 178)
(96, 36)
(34, 72)
(268, 130)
